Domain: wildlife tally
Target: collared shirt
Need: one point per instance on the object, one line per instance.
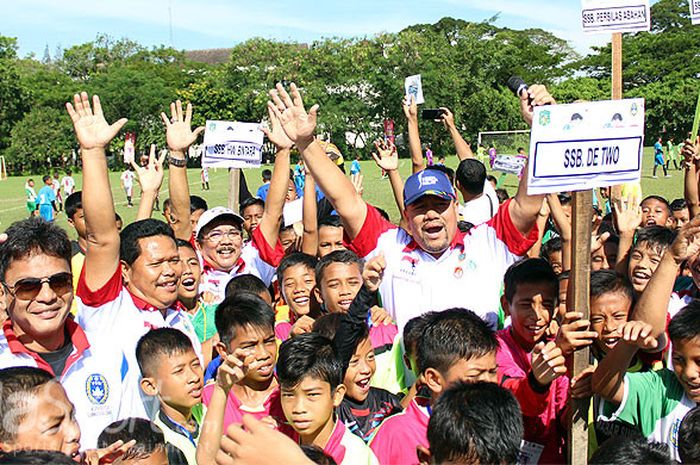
(347, 449)
(114, 311)
(398, 436)
(93, 377)
(468, 274)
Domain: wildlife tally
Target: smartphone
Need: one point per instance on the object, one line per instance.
(431, 113)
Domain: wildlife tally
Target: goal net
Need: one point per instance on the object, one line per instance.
(505, 142)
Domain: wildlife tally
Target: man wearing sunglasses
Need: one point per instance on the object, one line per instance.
(37, 287)
(128, 283)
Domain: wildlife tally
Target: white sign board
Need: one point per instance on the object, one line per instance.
(230, 144)
(610, 16)
(414, 87)
(695, 11)
(511, 164)
(585, 145)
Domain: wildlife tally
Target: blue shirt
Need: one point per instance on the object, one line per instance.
(262, 191)
(45, 200)
(355, 167)
(659, 148)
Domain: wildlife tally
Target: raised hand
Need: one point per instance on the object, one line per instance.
(687, 242)
(358, 183)
(374, 272)
(235, 368)
(298, 124)
(548, 363)
(410, 109)
(379, 316)
(388, 158)
(597, 242)
(275, 133)
(178, 130)
(448, 119)
(106, 455)
(639, 334)
(574, 334)
(581, 386)
(691, 150)
(628, 215)
(302, 326)
(150, 177)
(535, 96)
(91, 128)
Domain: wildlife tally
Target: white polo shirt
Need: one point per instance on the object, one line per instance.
(468, 274)
(256, 258)
(93, 378)
(114, 311)
(480, 209)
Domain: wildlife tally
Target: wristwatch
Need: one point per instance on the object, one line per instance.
(179, 162)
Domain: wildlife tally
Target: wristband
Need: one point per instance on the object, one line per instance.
(179, 162)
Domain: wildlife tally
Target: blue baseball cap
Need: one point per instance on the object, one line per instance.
(427, 182)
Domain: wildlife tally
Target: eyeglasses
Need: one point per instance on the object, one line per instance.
(217, 236)
(29, 288)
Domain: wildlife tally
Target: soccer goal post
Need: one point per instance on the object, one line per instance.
(506, 142)
(3, 169)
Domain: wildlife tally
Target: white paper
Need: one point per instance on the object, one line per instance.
(509, 164)
(694, 11)
(230, 144)
(610, 16)
(293, 212)
(414, 87)
(586, 145)
(529, 453)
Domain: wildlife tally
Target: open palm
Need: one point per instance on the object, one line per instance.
(91, 128)
(387, 158)
(297, 123)
(276, 133)
(178, 129)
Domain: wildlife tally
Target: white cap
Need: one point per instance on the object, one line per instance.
(214, 213)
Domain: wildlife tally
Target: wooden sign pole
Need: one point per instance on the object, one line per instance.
(580, 279)
(234, 184)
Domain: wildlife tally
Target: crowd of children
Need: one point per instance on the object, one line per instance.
(218, 336)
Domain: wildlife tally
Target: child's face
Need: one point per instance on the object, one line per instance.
(252, 214)
(48, 423)
(608, 313)
(686, 365)
(78, 222)
(178, 380)
(330, 239)
(288, 239)
(339, 285)
(556, 261)
(681, 216)
(476, 369)
(261, 342)
(360, 371)
(194, 217)
(291, 191)
(298, 283)
(531, 311)
(157, 457)
(655, 212)
(188, 288)
(605, 257)
(643, 261)
(309, 406)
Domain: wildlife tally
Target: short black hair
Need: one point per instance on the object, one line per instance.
(73, 203)
(552, 245)
(247, 202)
(502, 195)
(46, 178)
(471, 176)
(382, 212)
(452, 335)
(148, 436)
(413, 331)
(308, 355)
(656, 237)
(266, 174)
(529, 271)
(327, 326)
(157, 343)
(685, 325)
(689, 437)
(30, 236)
(678, 205)
(245, 283)
(475, 423)
(129, 246)
(330, 220)
(316, 455)
(491, 178)
(294, 259)
(183, 243)
(609, 282)
(621, 450)
(242, 309)
(660, 199)
(337, 256)
(17, 386)
(448, 171)
(197, 203)
(36, 457)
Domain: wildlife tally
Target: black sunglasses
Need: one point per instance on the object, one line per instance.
(29, 288)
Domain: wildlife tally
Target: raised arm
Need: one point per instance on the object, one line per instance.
(300, 127)
(691, 153)
(150, 178)
(462, 147)
(410, 109)
(628, 217)
(524, 208)
(387, 158)
(94, 135)
(179, 136)
(309, 243)
(563, 224)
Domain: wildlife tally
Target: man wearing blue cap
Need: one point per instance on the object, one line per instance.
(429, 265)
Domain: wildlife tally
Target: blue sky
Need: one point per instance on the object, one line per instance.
(201, 24)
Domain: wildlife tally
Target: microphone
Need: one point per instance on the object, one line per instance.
(516, 85)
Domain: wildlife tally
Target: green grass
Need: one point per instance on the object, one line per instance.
(377, 190)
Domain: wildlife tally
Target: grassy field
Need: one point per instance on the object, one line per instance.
(377, 190)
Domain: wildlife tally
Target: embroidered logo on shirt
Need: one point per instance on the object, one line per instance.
(97, 389)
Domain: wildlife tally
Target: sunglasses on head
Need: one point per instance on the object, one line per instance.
(29, 288)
